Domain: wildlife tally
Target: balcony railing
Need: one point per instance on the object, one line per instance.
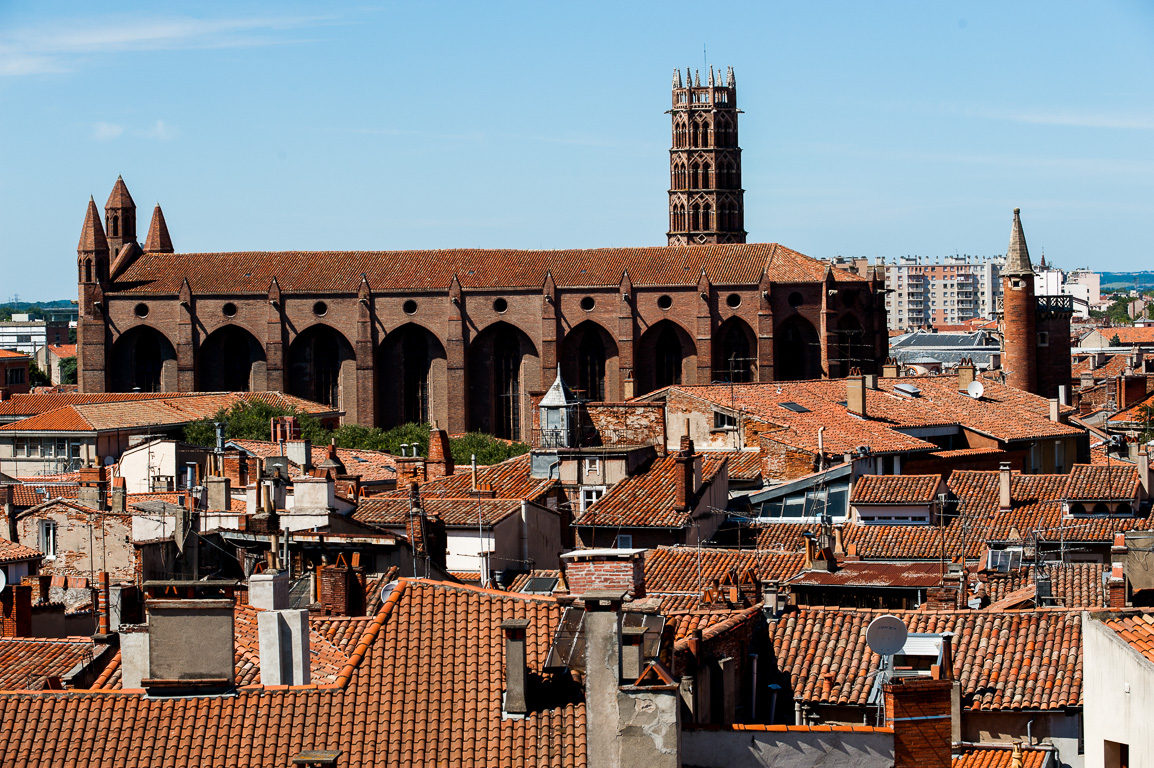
(1055, 303)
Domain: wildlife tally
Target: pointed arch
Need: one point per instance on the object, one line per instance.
(706, 217)
(230, 359)
(143, 359)
(322, 367)
(504, 367)
(666, 354)
(734, 352)
(414, 388)
(797, 353)
(589, 361)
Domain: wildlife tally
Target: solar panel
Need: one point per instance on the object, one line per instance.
(794, 407)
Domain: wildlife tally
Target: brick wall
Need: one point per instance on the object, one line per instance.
(918, 709)
(627, 575)
(628, 422)
(341, 590)
(16, 607)
(784, 462)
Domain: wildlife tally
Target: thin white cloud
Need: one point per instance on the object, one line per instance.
(1073, 118)
(40, 50)
(106, 131)
(159, 130)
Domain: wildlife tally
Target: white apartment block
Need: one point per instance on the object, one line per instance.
(946, 291)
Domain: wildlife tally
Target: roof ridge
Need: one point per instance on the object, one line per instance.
(370, 635)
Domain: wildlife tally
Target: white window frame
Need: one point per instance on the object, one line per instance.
(48, 539)
(590, 494)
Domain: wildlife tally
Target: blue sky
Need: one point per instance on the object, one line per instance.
(869, 129)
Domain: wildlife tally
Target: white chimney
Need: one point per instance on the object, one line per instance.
(284, 647)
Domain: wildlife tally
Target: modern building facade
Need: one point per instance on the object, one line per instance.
(951, 291)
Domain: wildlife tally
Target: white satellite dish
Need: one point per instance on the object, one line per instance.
(976, 389)
(3, 581)
(886, 635)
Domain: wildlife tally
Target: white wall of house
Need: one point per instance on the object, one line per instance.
(1117, 695)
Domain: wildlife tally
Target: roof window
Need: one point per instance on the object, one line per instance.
(794, 407)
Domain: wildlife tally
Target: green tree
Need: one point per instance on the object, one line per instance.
(68, 370)
(37, 377)
(247, 420)
(488, 449)
(1115, 341)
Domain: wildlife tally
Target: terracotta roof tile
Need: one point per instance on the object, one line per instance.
(370, 466)
(1019, 660)
(1137, 630)
(983, 756)
(32, 404)
(1130, 334)
(646, 499)
(895, 489)
(12, 552)
(25, 663)
(689, 570)
(1073, 585)
(296, 271)
(1100, 483)
(743, 465)
(392, 511)
(509, 479)
(30, 493)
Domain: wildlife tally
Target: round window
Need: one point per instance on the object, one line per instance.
(733, 301)
(665, 301)
(588, 303)
(500, 305)
(141, 310)
(795, 300)
(409, 307)
(320, 309)
(228, 310)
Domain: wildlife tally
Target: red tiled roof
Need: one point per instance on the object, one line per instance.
(370, 466)
(1135, 414)
(1114, 366)
(1099, 483)
(32, 404)
(423, 686)
(509, 479)
(12, 552)
(25, 663)
(1129, 334)
(866, 574)
(1137, 630)
(895, 489)
(172, 411)
(235, 504)
(63, 350)
(31, 493)
(296, 271)
(1074, 585)
(392, 511)
(646, 499)
(983, 756)
(743, 465)
(7, 353)
(1020, 660)
(689, 570)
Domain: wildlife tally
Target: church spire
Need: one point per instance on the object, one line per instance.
(120, 217)
(158, 240)
(1017, 255)
(92, 239)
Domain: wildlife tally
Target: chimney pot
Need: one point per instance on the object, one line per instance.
(856, 395)
(516, 667)
(1005, 499)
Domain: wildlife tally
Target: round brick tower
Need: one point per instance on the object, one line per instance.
(1019, 308)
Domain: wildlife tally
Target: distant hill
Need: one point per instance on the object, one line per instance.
(1145, 280)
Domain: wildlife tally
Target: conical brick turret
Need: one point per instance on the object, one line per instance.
(158, 240)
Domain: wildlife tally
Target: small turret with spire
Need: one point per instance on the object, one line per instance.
(120, 217)
(158, 240)
(92, 252)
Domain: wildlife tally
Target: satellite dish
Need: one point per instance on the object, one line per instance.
(109, 461)
(886, 635)
(3, 580)
(976, 389)
(387, 590)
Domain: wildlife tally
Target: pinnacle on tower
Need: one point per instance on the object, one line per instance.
(697, 78)
(92, 237)
(676, 78)
(158, 240)
(730, 81)
(711, 83)
(119, 197)
(1017, 255)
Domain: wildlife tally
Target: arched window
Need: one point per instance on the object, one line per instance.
(115, 226)
(88, 271)
(706, 212)
(735, 363)
(695, 217)
(591, 366)
(668, 354)
(415, 378)
(705, 184)
(507, 385)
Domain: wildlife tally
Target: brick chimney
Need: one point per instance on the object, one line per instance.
(684, 475)
(90, 493)
(601, 569)
(966, 373)
(919, 709)
(341, 590)
(855, 399)
(8, 512)
(516, 668)
(890, 368)
(1131, 391)
(1117, 586)
(1005, 499)
(440, 461)
(16, 607)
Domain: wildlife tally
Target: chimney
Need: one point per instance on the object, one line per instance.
(890, 368)
(1005, 500)
(341, 590)
(632, 653)
(89, 494)
(16, 607)
(919, 710)
(683, 476)
(1064, 394)
(1117, 586)
(871, 381)
(966, 373)
(269, 590)
(189, 646)
(588, 570)
(1055, 410)
(810, 546)
(1131, 391)
(219, 493)
(1099, 360)
(284, 647)
(516, 668)
(300, 452)
(855, 399)
(117, 496)
(1144, 468)
(102, 607)
(628, 387)
(1086, 380)
(7, 510)
(838, 545)
(440, 461)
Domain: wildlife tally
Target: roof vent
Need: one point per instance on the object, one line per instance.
(909, 390)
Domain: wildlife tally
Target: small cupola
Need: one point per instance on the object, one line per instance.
(558, 415)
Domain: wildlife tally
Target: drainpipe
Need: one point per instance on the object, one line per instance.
(820, 448)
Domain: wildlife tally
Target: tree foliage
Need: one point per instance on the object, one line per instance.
(37, 377)
(250, 421)
(68, 370)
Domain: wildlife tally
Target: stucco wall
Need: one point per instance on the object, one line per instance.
(797, 747)
(1118, 695)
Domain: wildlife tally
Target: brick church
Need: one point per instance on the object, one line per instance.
(465, 337)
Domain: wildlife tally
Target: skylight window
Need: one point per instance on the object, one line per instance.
(794, 407)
